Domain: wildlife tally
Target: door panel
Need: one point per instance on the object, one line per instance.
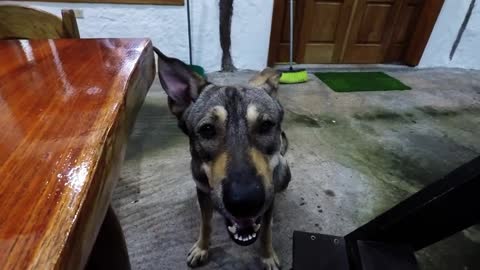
(374, 22)
(325, 24)
(317, 53)
(323, 30)
(280, 36)
(283, 50)
(371, 31)
(403, 30)
(320, 42)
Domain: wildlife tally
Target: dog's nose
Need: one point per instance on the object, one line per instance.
(243, 197)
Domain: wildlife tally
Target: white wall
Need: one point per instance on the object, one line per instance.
(251, 23)
(167, 27)
(445, 32)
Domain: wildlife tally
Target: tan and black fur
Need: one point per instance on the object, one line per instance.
(237, 147)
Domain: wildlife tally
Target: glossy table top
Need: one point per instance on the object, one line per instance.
(63, 104)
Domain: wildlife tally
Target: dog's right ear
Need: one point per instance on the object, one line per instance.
(181, 84)
(268, 80)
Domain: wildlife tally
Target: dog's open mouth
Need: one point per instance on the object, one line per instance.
(244, 232)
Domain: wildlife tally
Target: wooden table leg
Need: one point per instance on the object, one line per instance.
(110, 249)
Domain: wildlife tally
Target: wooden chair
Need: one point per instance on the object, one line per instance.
(19, 22)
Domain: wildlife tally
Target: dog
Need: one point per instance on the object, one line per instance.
(237, 148)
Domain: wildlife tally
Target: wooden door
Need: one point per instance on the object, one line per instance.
(319, 33)
(353, 31)
(280, 35)
(371, 31)
(381, 30)
(403, 30)
(323, 28)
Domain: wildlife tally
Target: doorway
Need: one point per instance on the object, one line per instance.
(353, 31)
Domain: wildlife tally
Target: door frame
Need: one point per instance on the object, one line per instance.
(428, 17)
(423, 29)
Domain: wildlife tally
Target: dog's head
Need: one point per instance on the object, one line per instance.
(235, 141)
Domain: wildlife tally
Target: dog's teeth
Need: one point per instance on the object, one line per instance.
(256, 227)
(250, 237)
(232, 229)
(254, 235)
(236, 237)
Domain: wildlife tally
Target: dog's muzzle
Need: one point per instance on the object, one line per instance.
(245, 231)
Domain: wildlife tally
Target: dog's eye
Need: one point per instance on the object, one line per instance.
(265, 127)
(207, 131)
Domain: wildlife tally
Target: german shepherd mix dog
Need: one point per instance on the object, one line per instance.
(237, 147)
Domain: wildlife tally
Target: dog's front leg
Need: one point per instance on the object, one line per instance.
(198, 254)
(269, 258)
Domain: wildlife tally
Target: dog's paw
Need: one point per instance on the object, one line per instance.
(271, 263)
(197, 256)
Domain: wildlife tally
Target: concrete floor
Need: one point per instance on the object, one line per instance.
(352, 155)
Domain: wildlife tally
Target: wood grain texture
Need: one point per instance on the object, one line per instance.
(150, 2)
(66, 110)
(280, 33)
(276, 31)
(325, 24)
(371, 31)
(305, 22)
(423, 29)
(29, 23)
(403, 30)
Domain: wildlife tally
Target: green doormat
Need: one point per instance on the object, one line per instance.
(360, 81)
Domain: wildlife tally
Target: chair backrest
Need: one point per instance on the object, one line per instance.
(19, 22)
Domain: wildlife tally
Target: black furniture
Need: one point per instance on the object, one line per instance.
(389, 241)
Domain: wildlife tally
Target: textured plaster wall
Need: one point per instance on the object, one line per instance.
(445, 32)
(167, 27)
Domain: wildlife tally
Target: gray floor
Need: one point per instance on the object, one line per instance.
(353, 155)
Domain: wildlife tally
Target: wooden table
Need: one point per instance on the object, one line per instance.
(66, 110)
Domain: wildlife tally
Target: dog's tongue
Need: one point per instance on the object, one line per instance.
(244, 222)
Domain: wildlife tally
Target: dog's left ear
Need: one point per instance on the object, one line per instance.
(267, 80)
(181, 84)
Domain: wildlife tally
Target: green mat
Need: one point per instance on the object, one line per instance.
(360, 81)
